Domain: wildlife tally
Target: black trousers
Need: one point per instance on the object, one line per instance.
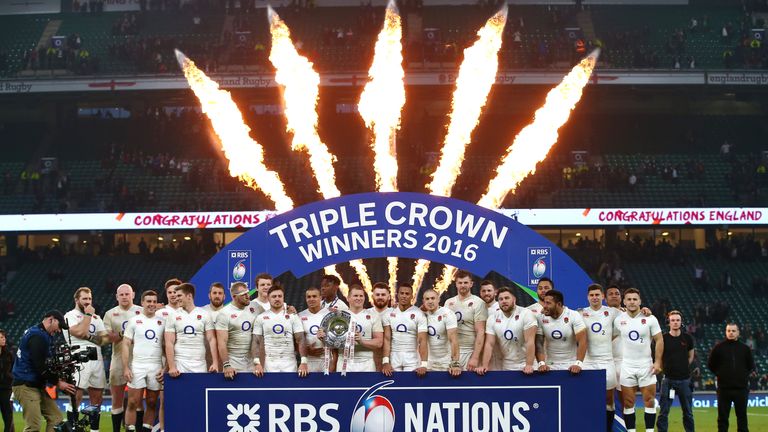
(739, 399)
(6, 409)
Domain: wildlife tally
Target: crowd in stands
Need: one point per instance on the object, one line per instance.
(69, 53)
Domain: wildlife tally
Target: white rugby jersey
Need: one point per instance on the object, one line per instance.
(264, 305)
(238, 323)
(438, 324)
(560, 335)
(213, 312)
(468, 311)
(406, 326)
(367, 322)
(510, 332)
(75, 317)
(599, 332)
(165, 312)
(493, 308)
(311, 324)
(278, 330)
(636, 335)
(335, 303)
(190, 328)
(536, 308)
(147, 336)
(116, 320)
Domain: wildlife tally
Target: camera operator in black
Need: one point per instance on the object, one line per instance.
(30, 374)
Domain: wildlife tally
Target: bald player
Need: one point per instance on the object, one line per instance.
(513, 330)
(471, 314)
(542, 287)
(234, 331)
(115, 322)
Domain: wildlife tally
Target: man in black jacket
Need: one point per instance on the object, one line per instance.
(732, 362)
(30, 375)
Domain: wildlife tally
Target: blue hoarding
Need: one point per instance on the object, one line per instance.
(499, 401)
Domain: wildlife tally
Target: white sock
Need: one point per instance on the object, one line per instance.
(629, 410)
(117, 410)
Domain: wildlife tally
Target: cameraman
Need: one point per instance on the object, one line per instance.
(30, 374)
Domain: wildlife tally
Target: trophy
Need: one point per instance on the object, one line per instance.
(336, 325)
(339, 331)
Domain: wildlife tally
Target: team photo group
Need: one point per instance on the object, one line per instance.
(169, 333)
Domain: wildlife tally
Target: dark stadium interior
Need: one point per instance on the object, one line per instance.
(644, 146)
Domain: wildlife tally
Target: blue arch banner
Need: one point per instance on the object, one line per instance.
(397, 224)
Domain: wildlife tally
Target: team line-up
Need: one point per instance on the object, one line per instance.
(264, 335)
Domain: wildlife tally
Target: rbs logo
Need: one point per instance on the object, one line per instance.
(539, 264)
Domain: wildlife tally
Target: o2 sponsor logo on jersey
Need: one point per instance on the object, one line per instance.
(539, 264)
(239, 266)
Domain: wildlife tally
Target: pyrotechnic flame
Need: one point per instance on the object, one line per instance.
(533, 143)
(331, 270)
(422, 266)
(441, 285)
(245, 155)
(477, 74)
(300, 92)
(381, 104)
(383, 99)
(392, 268)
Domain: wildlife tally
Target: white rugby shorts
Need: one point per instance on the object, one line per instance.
(92, 375)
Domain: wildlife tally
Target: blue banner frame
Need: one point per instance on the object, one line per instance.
(399, 224)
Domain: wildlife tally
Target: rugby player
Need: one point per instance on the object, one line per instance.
(274, 333)
(369, 334)
(565, 334)
(638, 369)
(87, 330)
(405, 336)
(142, 361)
(216, 299)
(382, 300)
(329, 290)
(115, 321)
(489, 292)
(234, 331)
(471, 314)
(263, 283)
(542, 286)
(443, 339)
(187, 330)
(513, 330)
(311, 317)
(599, 321)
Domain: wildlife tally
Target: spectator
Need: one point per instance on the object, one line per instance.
(732, 362)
